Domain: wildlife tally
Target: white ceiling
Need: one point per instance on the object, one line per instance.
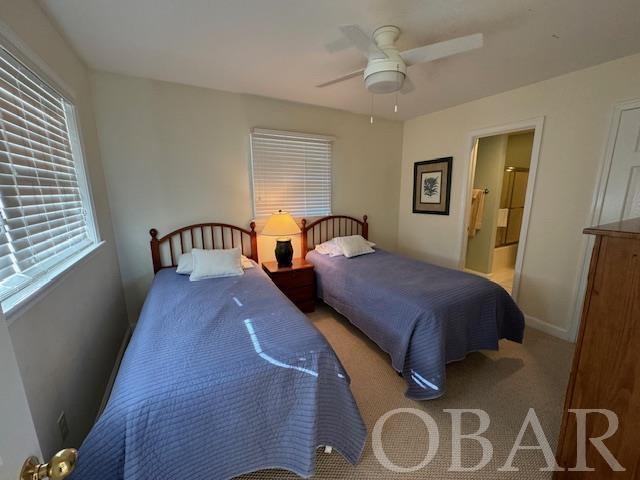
(277, 48)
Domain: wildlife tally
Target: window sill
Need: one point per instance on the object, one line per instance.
(40, 289)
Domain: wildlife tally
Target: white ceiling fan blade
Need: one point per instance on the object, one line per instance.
(342, 78)
(407, 86)
(361, 41)
(438, 50)
(338, 45)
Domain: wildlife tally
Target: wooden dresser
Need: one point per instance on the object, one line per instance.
(606, 365)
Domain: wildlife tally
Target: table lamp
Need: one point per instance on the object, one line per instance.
(281, 224)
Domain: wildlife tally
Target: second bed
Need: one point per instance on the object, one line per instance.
(424, 316)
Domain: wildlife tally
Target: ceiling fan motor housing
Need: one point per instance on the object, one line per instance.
(385, 75)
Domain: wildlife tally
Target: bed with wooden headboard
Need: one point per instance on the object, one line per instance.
(326, 228)
(166, 250)
(422, 315)
(204, 358)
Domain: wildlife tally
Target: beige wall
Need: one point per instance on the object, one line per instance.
(66, 342)
(176, 155)
(577, 109)
(18, 437)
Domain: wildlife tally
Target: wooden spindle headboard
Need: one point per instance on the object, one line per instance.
(165, 251)
(326, 228)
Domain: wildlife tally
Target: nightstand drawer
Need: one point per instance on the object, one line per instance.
(300, 294)
(297, 282)
(294, 279)
(306, 307)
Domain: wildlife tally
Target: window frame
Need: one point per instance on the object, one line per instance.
(21, 300)
(290, 134)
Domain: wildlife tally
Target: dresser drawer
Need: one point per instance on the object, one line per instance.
(293, 279)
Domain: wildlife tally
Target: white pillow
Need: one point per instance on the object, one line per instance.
(215, 263)
(333, 249)
(353, 245)
(246, 262)
(185, 263)
(329, 248)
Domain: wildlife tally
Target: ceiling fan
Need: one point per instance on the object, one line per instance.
(386, 70)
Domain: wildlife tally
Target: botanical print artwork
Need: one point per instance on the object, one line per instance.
(431, 187)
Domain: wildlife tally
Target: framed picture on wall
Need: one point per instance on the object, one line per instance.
(432, 186)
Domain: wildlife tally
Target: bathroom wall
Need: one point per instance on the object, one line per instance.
(519, 148)
(490, 161)
(494, 154)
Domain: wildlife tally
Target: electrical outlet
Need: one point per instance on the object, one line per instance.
(63, 427)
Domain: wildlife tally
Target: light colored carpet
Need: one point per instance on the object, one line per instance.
(505, 384)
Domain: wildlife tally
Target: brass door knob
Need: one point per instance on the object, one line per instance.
(60, 466)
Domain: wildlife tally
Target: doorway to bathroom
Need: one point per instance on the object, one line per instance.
(501, 170)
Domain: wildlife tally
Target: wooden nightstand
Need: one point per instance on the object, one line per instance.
(297, 282)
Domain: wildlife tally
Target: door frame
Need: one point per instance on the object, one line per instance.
(596, 209)
(535, 124)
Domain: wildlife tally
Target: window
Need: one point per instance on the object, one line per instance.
(291, 172)
(46, 220)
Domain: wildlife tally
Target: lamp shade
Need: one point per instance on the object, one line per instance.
(280, 224)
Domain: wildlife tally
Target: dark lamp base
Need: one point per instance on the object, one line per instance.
(284, 252)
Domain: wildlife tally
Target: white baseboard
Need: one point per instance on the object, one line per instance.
(114, 372)
(547, 327)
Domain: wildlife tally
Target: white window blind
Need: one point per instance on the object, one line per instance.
(43, 202)
(291, 172)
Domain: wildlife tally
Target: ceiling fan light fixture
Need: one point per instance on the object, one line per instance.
(388, 81)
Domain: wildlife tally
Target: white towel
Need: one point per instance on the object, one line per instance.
(503, 217)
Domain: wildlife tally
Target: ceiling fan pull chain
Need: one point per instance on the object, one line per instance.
(371, 115)
(395, 103)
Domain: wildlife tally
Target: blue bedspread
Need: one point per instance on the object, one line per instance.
(422, 315)
(222, 377)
